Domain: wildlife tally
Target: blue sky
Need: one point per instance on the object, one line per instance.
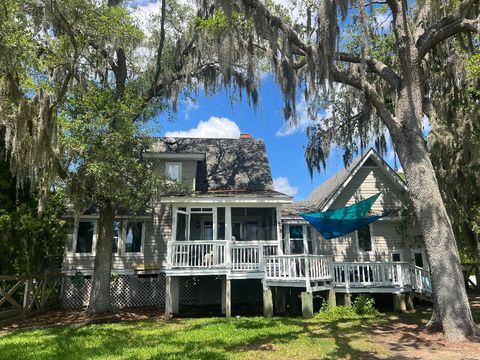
(215, 116)
(284, 144)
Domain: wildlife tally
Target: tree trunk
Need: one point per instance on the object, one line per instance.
(100, 294)
(449, 294)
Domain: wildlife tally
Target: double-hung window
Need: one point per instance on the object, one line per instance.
(173, 170)
(85, 234)
(133, 237)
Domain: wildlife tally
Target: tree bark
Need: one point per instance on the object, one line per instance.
(100, 293)
(449, 294)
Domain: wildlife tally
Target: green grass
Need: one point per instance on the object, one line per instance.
(213, 338)
(333, 334)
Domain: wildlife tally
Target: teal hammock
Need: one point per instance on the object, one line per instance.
(340, 222)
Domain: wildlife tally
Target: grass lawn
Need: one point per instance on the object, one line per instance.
(212, 338)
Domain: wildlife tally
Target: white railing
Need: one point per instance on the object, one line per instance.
(237, 256)
(420, 279)
(196, 254)
(363, 274)
(297, 267)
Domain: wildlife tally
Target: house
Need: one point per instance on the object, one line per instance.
(230, 238)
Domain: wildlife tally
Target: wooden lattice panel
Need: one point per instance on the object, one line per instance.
(125, 291)
(76, 296)
(200, 290)
(246, 291)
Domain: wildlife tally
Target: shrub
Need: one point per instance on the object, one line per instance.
(364, 305)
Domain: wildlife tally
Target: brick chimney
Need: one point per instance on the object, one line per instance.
(245, 136)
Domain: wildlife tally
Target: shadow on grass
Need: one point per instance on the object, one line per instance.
(215, 338)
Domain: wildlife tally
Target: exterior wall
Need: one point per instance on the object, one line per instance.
(152, 258)
(387, 235)
(367, 182)
(189, 169)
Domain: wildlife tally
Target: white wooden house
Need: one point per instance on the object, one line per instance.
(235, 239)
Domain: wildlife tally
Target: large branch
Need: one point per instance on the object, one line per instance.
(160, 44)
(374, 66)
(347, 78)
(278, 22)
(446, 28)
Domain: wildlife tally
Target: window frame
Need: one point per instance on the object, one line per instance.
(372, 241)
(180, 170)
(94, 238)
(124, 237)
(393, 252)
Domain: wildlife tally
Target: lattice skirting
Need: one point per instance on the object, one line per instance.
(200, 290)
(134, 291)
(246, 291)
(125, 291)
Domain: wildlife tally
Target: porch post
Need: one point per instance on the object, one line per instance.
(267, 302)
(307, 304)
(278, 211)
(171, 297)
(347, 299)
(168, 297)
(409, 301)
(226, 297)
(399, 302)
(228, 223)
(214, 224)
(332, 299)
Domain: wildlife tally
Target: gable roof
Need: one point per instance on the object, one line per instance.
(324, 195)
(230, 165)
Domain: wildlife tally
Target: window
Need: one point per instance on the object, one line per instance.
(208, 230)
(173, 170)
(296, 232)
(364, 238)
(418, 257)
(237, 231)
(252, 230)
(396, 257)
(296, 239)
(133, 237)
(85, 237)
(117, 228)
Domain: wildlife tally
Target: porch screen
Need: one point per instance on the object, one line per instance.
(339, 222)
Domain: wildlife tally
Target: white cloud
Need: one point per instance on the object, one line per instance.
(190, 105)
(214, 127)
(301, 123)
(281, 184)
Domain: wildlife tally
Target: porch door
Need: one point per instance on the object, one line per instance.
(183, 219)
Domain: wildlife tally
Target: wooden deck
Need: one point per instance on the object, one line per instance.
(263, 260)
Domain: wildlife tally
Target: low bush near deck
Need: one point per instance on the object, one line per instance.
(363, 306)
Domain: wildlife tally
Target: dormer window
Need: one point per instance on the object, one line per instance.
(173, 170)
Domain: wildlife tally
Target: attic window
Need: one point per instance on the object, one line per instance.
(173, 170)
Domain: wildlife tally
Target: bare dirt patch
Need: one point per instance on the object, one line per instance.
(410, 341)
(75, 317)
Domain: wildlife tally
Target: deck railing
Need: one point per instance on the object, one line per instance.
(420, 279)
(263, 256)
(361, 274)
(237, 256)
(297, 267)
(197, 254)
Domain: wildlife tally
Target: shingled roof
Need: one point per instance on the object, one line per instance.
(231, 165)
